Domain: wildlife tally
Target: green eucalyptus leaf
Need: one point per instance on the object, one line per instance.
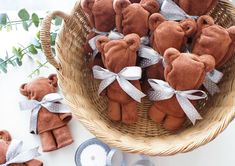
(11, 63)
(38, 34)
(24, 14)
(58, 21)
(3, 65)
(25, 25)
(19, 62)
(53, 38)
(17, 52)
(35, 19)
(53, 50)
(3, 19)
(32, 49)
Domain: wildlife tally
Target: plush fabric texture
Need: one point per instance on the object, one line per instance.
(180, 67)
(48, 123)
(166, 34)
(116, 55)
(196, 7)
(5, 140)
(214, 40)
(133, 18)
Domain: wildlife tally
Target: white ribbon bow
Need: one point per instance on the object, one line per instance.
(127, 73)
(212, 78)
(171, 11)
(163, 91)
(151, 57)
(15, 154)
(51, 102)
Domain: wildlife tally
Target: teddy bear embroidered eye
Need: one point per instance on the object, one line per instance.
(116, 55)
(5, 141)
(133, 18)
(51, 127)
(179, 69)
(214, 40)
(196, 8)
(166, 34)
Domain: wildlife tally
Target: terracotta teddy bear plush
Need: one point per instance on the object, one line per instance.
(102, 17)
(133, 18)
(116, 55)
(5, 141)
(196, 8)
(214, 40)
(166, 34)
(179, 69)
(51, 127)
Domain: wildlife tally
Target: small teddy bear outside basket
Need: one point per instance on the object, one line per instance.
(144, 136)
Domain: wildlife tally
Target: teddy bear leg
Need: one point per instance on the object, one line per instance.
(63, 136)
(114, 111)
(34, 162)
(129, 112)
(156, 115)
(173, 123)
(47, 141)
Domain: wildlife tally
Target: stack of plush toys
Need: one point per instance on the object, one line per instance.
(168, 50)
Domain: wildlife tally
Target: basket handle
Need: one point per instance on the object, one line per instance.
(45, 36)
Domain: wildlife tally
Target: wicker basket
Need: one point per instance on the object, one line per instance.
(145, 137)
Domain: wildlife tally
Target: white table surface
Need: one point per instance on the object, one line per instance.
(219, 152)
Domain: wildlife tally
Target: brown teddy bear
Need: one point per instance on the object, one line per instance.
(179, 69)
(5, 141)
(166, 34)
(102, 18)
(116, 55)
(133, 18)
(51, 127)
(196, 8)
(214, 40)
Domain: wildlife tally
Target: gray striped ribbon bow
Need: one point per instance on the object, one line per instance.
(151, 57)
(212, 78)
(163, 91)
(123, 77)
(171, 11)
(112, 35)
(15, 155)
(51, 102)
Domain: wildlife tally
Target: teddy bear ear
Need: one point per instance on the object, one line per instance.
(5, 135)
(133, 40)
(54, 79)
(231, 32)
(152, 6)
(119, 5)
(23, 89)
(189, 26)
(100, 43)
(155, 20)
(87, 5)
(209, 62)
(205, 20)
(170, 55)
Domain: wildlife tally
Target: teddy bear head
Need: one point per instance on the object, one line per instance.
(39, 87)
(101, 14)
(186, 71)
(133, 17)
(210, 37)
(118, 54)
(196, 8)
(5, 140)
(166, 34)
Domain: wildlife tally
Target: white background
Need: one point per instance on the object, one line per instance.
(219, 152)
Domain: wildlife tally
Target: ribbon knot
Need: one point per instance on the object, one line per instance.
(123, 77)
(171, 11)
(15, 155)
(163, 91)
(51, 102)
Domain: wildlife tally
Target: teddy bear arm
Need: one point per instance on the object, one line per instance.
(34, 162)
